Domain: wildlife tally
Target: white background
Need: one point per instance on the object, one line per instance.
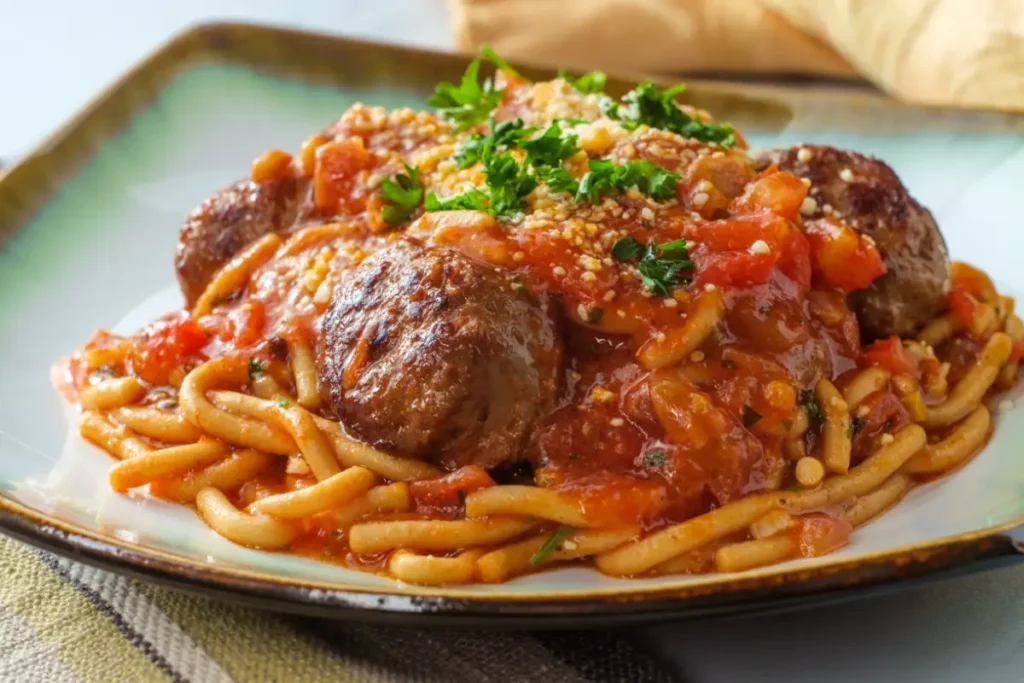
(55, 55)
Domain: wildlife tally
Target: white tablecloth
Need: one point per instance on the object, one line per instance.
(55, 54)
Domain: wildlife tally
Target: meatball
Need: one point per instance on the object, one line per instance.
(229, 221)
(432, 355)
(868, 196)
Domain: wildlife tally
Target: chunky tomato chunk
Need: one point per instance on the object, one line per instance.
(780, 193)
(821, 534)
(165, 345)
(337, 164)
(841, 257)
(244, 325)
(744, 251)
(889, 354)
(446, 493)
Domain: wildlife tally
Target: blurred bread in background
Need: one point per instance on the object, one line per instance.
(949, 52)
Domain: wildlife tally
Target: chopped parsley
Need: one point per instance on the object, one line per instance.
(504, 135)
(793, 487)
(856, 424)
(661, 266)
(654, 460)
(558, 179)
(508, 183)
(815, 416)
(255, 368)
(606, 176)
(403, 195)
(550, 545)
(550, 148)
(467, 103)
(470, 199)
(589, 83)
(499, 63)
(283, 402)
(649, 105)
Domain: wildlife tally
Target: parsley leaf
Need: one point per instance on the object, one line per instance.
(550, 148)
(403, 195)
(499, 63)
(283, 402)
(467, 103)
(558, 179)
(661, 266)
(550, 545)
(815, 416)
(255, 368)
(750, 416)
(504, 135)
(470, 199)
(856, 424)
(654, 460)
(604, 176)
(508, 184)
(648, 105)
(589, 83)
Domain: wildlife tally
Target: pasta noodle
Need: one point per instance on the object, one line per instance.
(595, 358)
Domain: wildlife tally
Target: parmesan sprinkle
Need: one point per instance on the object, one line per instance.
(700, 199)
(601, 395)
(709, 287)
(558, 270)
(570, 545)
(1005, 406)
(809, 206)
(886, 439)
(760, 247)
(697, 356)
(616, 422)
(804, 155)
(670, 303)
(846, 175)
(646, 214)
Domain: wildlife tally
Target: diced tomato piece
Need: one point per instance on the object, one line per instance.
(244, 325)
(889, 354)
(165, 345)
(733, 268)
(337, 164)
(886, 414)
(780, 193)
(962, 305)
(615, 500)
(444, 492)
(841, 257)
(821, 534)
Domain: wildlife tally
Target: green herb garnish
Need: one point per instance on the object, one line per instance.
(648, 105)
(508, 184)
(550, 545)
(793, 487)
(403, 195)
(470, 199)
(550, 148)
(283, 402)
(605, 176)
(255, 368)
(654, 460)
(815, 416)
(589, 83)
(856, 424)
(750, 416)
(504, 135)
(558, 179)
(661, 266)
(499, 63)
(467, 103)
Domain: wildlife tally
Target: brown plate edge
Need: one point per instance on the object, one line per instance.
(30, 182)
(771, 590)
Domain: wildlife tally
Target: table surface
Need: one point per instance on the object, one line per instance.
(55, 55)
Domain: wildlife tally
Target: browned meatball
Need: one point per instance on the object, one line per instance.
(427, 353)
(229, 221)
(868, 196)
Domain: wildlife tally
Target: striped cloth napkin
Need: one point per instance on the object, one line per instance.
(61, 621)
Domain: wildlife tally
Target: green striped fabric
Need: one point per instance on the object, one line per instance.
(63, 621)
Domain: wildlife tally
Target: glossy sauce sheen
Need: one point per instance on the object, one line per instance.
(635, 445)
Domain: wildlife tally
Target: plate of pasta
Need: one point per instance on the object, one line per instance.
(534, 348)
